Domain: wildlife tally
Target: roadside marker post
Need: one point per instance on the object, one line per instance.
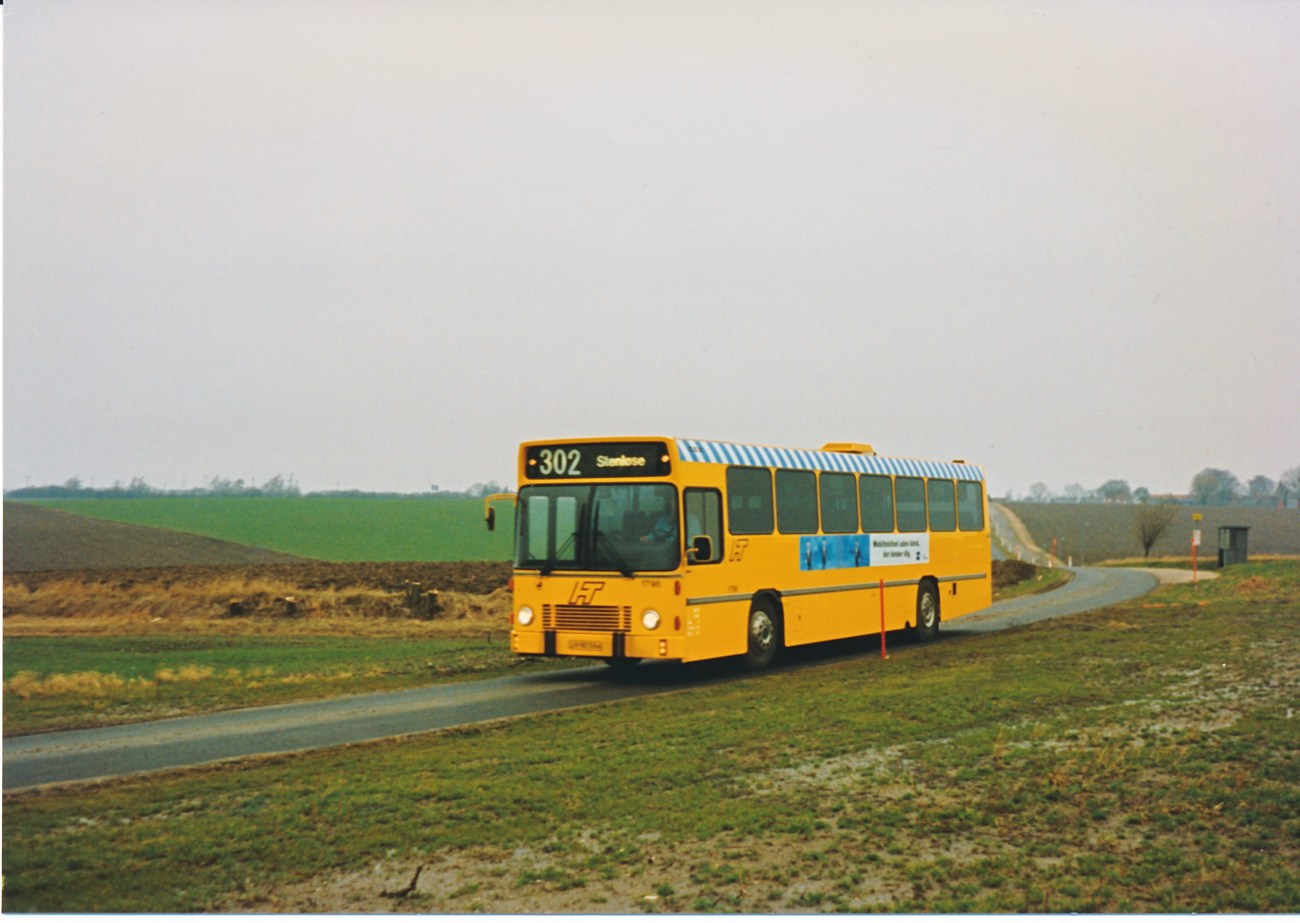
(883, 654)
(1196, 543)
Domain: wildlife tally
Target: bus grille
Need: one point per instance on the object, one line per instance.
(587, 618)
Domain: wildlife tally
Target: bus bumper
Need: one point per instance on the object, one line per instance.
(600, 644)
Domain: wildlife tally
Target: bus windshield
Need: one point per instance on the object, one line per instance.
(616, 527)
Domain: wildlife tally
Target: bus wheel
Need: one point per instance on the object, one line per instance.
(764, 637)
(927, 613)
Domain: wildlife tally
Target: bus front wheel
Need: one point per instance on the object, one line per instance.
(927, 613)
(764, 636)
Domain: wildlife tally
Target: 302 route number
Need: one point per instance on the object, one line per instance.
(559, 462)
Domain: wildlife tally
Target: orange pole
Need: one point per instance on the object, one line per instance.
(883, 654)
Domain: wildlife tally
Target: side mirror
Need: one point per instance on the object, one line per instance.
(489, 513)
(701, 550)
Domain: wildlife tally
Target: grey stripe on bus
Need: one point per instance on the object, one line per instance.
(815, 591)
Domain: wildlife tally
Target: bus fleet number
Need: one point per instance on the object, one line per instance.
(559, 462)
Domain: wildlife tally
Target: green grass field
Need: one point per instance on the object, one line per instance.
(1136, 759)
(325, 528)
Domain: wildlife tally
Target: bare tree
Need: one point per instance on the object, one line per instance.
(1150, 522)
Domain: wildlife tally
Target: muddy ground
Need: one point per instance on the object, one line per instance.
(39, 539)
(477, 577)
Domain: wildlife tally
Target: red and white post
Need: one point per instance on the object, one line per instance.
(1196, 543)
(883, 654)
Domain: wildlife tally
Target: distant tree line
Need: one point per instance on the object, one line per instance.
(475, 491)
(73, 488)
(1210, 487)
(278, 486)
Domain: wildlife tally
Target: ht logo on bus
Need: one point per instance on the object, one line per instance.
(584, 592)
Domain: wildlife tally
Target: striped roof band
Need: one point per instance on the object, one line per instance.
(731, 453)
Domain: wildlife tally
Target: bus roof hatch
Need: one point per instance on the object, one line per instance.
(852, 448)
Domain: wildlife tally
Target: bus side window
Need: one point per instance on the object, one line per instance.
(909, 498)
(877, 496)
(970, 506)
(839, 503)
(943, 505)
(749, 501)
(796, 502)
(704, 517)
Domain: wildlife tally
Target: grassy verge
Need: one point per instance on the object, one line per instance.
(61, 683)
(1017, 578)
(1142, 758)
(1208, 561)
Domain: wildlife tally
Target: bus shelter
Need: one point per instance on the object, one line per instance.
(1232, 545)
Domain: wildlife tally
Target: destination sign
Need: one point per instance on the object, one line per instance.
(585, 460)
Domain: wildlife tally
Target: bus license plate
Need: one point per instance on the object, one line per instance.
(588, 645)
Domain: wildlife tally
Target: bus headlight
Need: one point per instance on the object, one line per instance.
(525, 615)
(650, 619)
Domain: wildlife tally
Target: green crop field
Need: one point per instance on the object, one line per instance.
(325, 528)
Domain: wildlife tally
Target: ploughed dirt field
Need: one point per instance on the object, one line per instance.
(41, 539)
(475, 577)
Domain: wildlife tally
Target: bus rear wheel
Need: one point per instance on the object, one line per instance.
(764, 636)
(927, 613)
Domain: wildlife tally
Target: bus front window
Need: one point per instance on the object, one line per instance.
(618, 527)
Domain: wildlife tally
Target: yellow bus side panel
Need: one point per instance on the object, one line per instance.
(716, 630)
(809, 619)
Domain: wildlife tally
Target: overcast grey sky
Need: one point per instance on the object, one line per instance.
(379, 245)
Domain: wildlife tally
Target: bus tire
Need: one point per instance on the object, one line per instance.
(927, 612)
(763, 634)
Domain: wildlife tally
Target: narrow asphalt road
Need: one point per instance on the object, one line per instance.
(1091, 588)
(68, 756)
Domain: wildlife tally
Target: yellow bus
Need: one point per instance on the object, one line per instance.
(650, 548)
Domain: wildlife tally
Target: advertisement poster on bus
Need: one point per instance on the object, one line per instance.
(835, 552)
